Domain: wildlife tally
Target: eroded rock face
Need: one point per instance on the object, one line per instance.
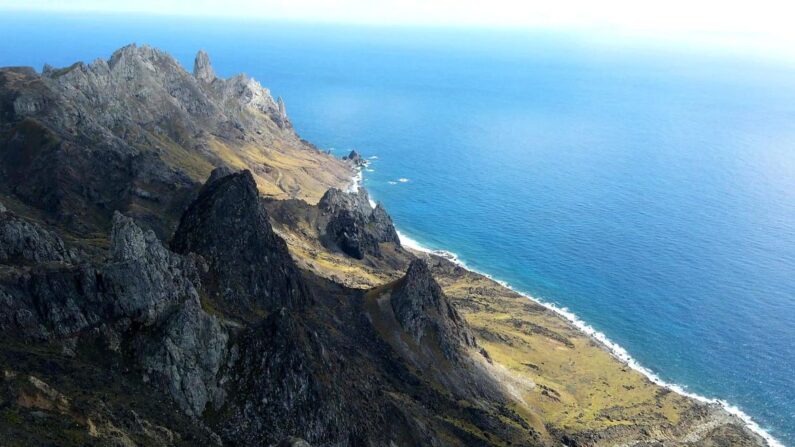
(185, 355)
(250, 266)
(22, 241)
(141, 283)
(291, 379)
(293, 442)
(144, 292)
(423, 310)
(354, 226)
(202, 70)
(141, 125)
(143, 280)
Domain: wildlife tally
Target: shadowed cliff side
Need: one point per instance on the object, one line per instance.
(252, 271)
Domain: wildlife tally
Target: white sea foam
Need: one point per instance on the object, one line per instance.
(392, 183)
(356, 181)
(373, 157)
(615, 349)
(403, 180)
(370, 170)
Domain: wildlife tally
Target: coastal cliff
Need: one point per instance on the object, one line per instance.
(179, 267)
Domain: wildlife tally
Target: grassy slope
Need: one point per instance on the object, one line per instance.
(579, 387)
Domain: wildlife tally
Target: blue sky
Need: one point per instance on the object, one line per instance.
(765, 23)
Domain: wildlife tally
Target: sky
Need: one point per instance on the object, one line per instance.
(751, 23)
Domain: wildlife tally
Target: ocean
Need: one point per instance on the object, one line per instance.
(647, 189)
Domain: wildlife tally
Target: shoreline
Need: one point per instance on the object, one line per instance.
(616, 350)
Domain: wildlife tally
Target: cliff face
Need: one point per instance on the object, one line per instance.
(138, 307)
(229, 228)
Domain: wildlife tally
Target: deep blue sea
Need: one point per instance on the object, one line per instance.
(648, 189)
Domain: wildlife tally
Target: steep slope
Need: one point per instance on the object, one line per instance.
(565, 385)
(96, 322)
(228, 227)
(341, 237)
(137, 132)
(245, 328)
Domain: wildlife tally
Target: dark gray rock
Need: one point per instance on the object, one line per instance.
(202, 70)
(292, 442)
(381, 226)
(251, 270)
(49, 303)
(143, 280)
(355, 158)
(336, 200)
(22, 241)
(423, 310)
(185, 355)
(143, 291)
(279, 389)
(354, 226)
(140, 284)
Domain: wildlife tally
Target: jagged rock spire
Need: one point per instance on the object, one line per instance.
(421, 308)
(202, 70)
(250, 267)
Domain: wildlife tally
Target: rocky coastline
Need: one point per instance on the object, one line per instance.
(178, 267)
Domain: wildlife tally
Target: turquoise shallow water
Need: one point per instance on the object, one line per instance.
(651, 191)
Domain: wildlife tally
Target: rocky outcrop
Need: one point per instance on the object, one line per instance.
(143, 281)
(281, 116)
(184, 355)
(22, 241)
(202, 70)
(424, 312)
(144, 294)
(250, 268)
(140, 284)
(355, 158)
(335, 201)
(381, 227)
(354, 226)
(276, 388)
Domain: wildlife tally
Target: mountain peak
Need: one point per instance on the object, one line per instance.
(250, 264)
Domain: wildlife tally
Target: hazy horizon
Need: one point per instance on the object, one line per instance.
(761, 28)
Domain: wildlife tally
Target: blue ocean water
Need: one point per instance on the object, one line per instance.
(648, 189)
